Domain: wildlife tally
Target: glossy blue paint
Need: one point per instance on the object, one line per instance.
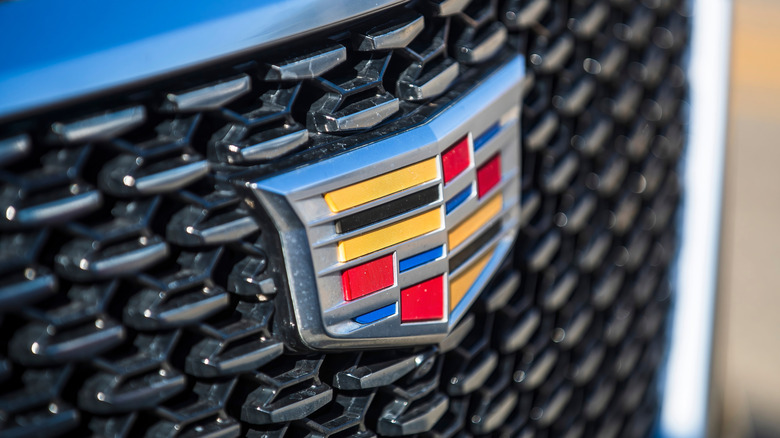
(458, 199)
(55, 51)
(487, 135)
(376, 315)
(420, 259)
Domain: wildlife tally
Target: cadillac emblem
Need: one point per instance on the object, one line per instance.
(391, 243)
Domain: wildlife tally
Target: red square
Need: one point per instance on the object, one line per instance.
(367, 278)
(489, 175)
(455, 160)
(423, 301)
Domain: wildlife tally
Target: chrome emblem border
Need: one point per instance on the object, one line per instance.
(317, 255)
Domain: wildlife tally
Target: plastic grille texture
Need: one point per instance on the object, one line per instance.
(139, 287)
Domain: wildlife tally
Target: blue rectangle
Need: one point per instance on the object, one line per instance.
(376, 315)
(486, 136)
(420, 259)
(458, 199)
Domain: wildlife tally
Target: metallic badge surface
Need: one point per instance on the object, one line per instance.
(390, 244)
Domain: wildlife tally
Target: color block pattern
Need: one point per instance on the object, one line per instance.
(455, 160)
(488, 176)
(376, 315)
(409, 245)
(457, 200)
(473, 223)
(423, 301)
(390, 235)
(420, 259)
(463, 282)
(367, 278)
(381, 186)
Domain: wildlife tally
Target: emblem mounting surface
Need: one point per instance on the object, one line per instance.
(389, 244)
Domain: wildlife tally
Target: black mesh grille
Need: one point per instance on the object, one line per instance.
(139, 289)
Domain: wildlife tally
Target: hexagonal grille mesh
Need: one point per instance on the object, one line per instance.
(138, 288)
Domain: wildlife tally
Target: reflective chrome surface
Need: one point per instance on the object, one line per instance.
(685, 386)
(294, 200)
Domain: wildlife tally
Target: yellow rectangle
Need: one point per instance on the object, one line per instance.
(382, 185)
(471, 225)
(390, 235)
(460, 285)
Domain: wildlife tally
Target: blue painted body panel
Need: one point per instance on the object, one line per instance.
(55, 51)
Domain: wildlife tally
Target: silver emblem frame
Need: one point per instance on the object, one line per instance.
(294, 202)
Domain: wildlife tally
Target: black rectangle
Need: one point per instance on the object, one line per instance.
(388, 210)
(476, 245)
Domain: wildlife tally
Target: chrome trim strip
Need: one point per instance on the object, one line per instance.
(57, 52)
(687, 376)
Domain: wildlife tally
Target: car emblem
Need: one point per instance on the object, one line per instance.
(389, 244)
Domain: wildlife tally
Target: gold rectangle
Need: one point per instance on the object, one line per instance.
(471, 225)
(460, 285)
(382, 185)
(390, 235)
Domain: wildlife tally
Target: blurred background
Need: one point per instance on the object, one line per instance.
(748, 339)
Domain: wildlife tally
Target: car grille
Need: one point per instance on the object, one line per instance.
(138, 289)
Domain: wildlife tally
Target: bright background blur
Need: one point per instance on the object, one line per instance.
(748, 339)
